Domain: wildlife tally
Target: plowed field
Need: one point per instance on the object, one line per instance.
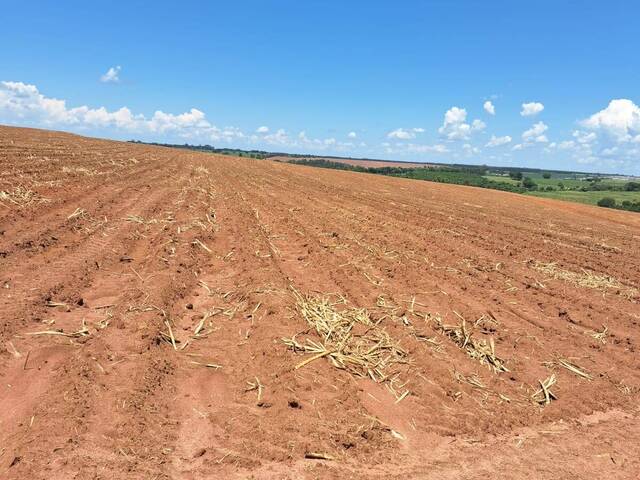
(161, 316)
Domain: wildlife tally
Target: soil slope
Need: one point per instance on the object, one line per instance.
(150, 298)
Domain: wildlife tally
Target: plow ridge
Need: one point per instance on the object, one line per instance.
(170, 314)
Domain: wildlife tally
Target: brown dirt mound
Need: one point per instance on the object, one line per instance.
(169, 314)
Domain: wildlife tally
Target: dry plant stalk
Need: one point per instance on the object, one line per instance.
(480, 350)
(545, 395)
(472, 380)
(349, 338)
(21, 196)
(77, 213)
(586, 279)
(255, 386)
(201, 245)
(318, 456)
(83, 332)
(600, 336)
(574, 369)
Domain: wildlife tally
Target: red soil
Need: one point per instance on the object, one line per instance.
(163, 236)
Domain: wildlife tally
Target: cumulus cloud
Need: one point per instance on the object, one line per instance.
(470, 150)
(112, 75)
(620, 120)
(302, 141)
(23, 103)
(536, 133)
(352, 135)
(455, 126)
(584, 137)
(402, 134)
(530, 109)
(608, 137)
(497, 141)
(489, 107)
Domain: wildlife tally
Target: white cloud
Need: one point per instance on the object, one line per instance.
(584, 137)
(536, 133)
(455, 126)
(24, 104)
(532, 108)
(303, 142)
(401, 134)
(489, 107)
(352, 135)
(112, 75)
(164, 122)
(620, 120)
(497, 141)
(280, 137)
(470, 150)
(478, 125)
(566, 145)
(610, 152)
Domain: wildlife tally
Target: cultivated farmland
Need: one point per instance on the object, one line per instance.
(172, 314)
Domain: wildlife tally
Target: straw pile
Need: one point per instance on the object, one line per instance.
(480, 350)
(21, 196)
(585, 279)
(349, 338)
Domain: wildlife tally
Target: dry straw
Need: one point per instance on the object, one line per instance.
(480, 350)
(574, 368)
(349, 338)
(21, 196)
(545, 395)
(586, 279)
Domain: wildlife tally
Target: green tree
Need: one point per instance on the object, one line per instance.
(546, 175)
(528, 183)
(607, 202)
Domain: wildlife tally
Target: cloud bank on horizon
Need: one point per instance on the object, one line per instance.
(608, 139)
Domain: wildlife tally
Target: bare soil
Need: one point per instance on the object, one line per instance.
(111, 252)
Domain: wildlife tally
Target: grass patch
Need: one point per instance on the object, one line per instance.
(590, 198)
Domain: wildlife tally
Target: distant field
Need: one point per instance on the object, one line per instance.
(500, 178)
(588, 197)
(358, 163)
(553, 182)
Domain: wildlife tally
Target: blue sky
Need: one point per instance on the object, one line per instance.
(398, 80)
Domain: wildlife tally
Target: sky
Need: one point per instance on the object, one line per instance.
(544, 84)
